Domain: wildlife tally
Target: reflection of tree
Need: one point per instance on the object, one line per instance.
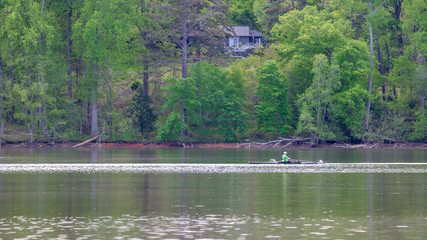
(184, 197)
(145, 193)
(94, 158)
(371, 195)
(371, 204)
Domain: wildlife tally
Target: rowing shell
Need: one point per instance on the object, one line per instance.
(293, 162)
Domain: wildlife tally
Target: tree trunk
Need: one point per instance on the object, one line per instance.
(198, 54)
(313, 139)
(94, 125)
(43, 2)
(86, 101)
(70, 61)
(397, 13)
(1, 96)
(32, 134)
(388, 66)
(303, 4)
(110, 107)
(353, 26)
(184, 63)
(381, 68)
(423, 104)
(145, 83)
(371, 55)
(423, 82)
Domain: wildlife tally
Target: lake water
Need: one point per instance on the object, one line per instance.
(212, 194)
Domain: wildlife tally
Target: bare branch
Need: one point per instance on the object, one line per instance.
(379, 6)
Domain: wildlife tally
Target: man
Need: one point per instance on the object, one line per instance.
(286, 158)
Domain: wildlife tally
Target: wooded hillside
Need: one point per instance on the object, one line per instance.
(332, 71)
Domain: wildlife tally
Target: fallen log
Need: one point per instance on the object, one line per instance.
(281, 142)
(87, 141)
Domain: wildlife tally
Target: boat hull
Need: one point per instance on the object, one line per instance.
(286, 163)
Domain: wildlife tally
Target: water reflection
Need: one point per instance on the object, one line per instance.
(103, 198)
(235, 156)
(217, 206)
(219, 168)
(196, 227)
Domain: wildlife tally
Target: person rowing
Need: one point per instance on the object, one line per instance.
(286, 159)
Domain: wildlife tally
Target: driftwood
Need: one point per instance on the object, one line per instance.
(366, 146)
(281, 142)
(87, 141)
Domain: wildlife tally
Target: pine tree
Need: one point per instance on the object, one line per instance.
(142, 112)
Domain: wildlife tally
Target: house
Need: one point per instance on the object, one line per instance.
(243, 41)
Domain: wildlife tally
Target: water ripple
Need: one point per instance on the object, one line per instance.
(219, 168)
(200, 227)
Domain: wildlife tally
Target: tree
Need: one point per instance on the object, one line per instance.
(99, 36)
(213, 103)
(267, 13)
(231, 119)
(368, 11)
(210, 82)
(414, 24)
(243, 74)
(301, 35)
(272, 108)
(315, 103)
(149, 44)
(1, 96)
(29, 36)
(220, 103)
(171, 130)
(141, 110)
(194, 21)
(29, 99)
(181, 97)
(348, 108)
(242, 14)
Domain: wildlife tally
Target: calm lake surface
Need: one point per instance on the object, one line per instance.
(212, 194)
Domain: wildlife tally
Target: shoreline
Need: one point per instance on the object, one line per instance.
(215, 146)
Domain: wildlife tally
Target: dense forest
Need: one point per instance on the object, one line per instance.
(157, 70)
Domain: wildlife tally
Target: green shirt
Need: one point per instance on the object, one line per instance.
(285, 158)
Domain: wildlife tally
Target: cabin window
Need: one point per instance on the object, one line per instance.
(234, 42)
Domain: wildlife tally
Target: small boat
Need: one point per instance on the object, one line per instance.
(291, 162)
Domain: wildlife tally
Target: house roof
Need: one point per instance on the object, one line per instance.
(255, 33)
(241, 31)
(244, 31)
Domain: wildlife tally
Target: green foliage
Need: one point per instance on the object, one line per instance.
(171, 130)
(315, 103)
(414, 23)
(301, 35)
(352, 58)
(181, 99)
(420, 128)
(231, 119)
(388, 127)
(310, 78)
(242, 14)
(181, 94)
(207, 101)
(210, 82)
(29, 100)
(348, 109)
(272, 108)
(141, 110)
